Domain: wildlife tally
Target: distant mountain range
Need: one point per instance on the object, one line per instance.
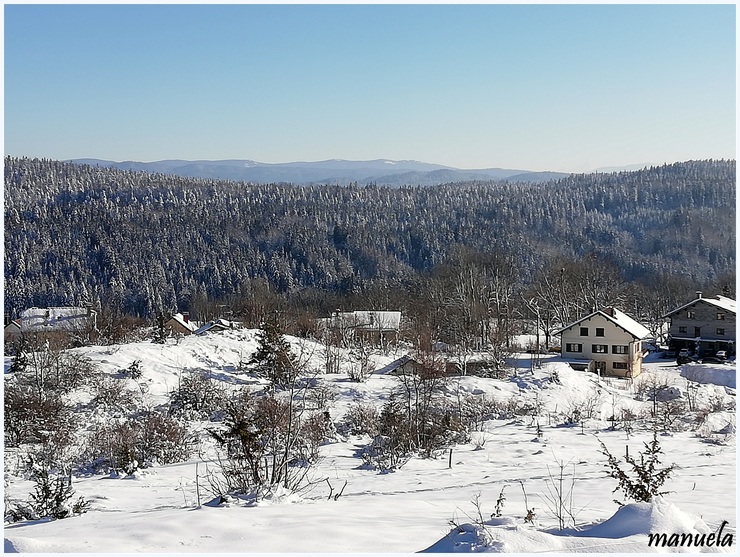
(336, 171)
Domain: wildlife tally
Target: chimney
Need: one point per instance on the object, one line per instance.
(698, 294)
(609, 311)
(186, 316)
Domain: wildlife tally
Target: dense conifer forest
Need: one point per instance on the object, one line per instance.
(141, 243)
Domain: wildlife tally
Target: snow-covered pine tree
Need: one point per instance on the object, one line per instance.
(274, 360)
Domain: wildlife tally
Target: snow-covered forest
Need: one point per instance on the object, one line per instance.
(139, 243)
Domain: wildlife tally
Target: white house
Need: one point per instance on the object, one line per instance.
(606, 341)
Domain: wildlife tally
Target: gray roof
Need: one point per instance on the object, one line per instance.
(217, 325)
(721, 302)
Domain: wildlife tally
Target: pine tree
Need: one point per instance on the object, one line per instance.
(274, 359)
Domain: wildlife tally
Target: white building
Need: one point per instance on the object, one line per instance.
(606, 341)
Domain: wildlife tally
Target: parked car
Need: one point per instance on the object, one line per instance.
(721, 354)
(712, 360)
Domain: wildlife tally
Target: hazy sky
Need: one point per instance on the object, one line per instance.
(538, 87)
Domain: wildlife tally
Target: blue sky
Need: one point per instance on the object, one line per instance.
(537, 87)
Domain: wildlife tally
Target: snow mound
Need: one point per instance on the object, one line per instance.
(631, 525)
(644, 518)
(724, 376)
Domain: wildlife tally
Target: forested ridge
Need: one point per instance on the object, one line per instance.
(151, 242)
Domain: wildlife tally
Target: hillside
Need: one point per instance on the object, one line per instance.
(350, 506)
(145, 242)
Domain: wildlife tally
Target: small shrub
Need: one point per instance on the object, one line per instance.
(162, 439)
(320, 396)
(112, 394)
(646, 477)
(33, 417)
(315, 430)
(361, 419)
(361, 367)
(133, 371)
(52, 495)
(129, 444)
(475, 410)
(197, 396)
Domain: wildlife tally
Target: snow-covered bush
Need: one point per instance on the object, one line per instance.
(360, 365)
(112, 395)
(197, 396)
(360, 418)
(40, 418)
(125, 445)
(274, 359)
(133, 371)
(41, 366)
(475, 410)
(51, 498)
(321, 396)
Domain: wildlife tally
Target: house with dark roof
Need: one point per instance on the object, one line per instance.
(216, 326)
(703, 326)
(605, 341)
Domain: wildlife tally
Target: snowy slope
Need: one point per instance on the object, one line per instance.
(410, 509)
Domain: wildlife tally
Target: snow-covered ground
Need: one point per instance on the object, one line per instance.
(437, 504)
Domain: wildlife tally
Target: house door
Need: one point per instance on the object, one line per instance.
(697, 332)
(600, 367)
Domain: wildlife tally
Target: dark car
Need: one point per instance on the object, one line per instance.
(712, 360)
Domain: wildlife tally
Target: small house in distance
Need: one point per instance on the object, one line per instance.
(216, 326)
(606, 341)
(376, 327)
(703, 326)
(51, 320)
(180, 323)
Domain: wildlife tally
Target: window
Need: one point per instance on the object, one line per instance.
(720, 317)
(682, 329)
(720, 331)
(619, 349)
(584, 331)
(574, 348)
(620, 365)
(600, 349)
(599, 331)
(690, 314)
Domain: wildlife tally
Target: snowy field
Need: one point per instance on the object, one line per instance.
(442, 504)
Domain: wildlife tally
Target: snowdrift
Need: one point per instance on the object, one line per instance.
(723, 376)
(627, 531)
